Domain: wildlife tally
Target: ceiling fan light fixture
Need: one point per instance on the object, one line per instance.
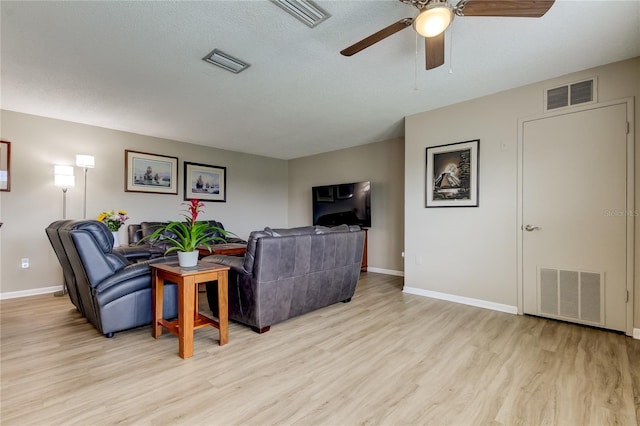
(433, 19)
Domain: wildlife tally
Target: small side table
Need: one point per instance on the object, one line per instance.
(189, 319)
(228, 249)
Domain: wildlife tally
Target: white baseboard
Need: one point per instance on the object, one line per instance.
(463, 300)
(636, 333)
(34, 292)
(385, 271)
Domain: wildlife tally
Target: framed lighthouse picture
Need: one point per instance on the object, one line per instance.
(451, 178)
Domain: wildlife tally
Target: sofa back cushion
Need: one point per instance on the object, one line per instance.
(216, 233)
(282, 232)
(329, 229)
(92, 243)
(67, 270)
(148, 228)
(250, 255)
(134, 232)
(280, 253)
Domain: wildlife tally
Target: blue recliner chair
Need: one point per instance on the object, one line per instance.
(115, 294)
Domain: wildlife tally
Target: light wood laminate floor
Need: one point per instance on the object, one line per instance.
(384, 358)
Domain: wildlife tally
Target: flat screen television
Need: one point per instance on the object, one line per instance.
(345, 203)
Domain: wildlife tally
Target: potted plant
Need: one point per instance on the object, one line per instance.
(186, 237)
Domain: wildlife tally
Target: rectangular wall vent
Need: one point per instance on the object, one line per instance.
(571, 94)
(576, 296)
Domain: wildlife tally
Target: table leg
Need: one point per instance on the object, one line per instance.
(223, 307)
(157, 297)
(186, 314)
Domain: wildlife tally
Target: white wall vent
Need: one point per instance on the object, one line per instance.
(576, 296)
(576, 93)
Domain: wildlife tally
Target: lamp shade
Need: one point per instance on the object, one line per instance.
(85, 161)
(63, 176)
(433, 19)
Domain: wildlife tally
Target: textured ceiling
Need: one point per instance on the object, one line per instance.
(136, 66)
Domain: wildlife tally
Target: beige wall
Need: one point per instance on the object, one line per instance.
(381, 163)
(256, 190)
(471, 252)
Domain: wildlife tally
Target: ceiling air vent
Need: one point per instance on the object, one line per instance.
(228, 62)
(304, 10)
(570, 94)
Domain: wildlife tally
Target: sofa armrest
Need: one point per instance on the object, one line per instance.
(134, 253)
(144, 252)
(235, 263)
(235, 240)
(128, 281)
(128, 273)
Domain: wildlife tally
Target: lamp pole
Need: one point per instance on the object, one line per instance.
(64, 203)
(64, 179)
(86, 162)
(84, 211)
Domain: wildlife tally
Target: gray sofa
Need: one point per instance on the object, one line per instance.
(289, 272)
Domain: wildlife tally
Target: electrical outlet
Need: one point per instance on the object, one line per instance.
(24, 263)
(402, 254)
(418, 259)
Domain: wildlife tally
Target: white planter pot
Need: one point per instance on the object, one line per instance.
(188, 259)
(116, 239)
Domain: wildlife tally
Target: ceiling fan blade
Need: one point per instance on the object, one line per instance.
(374, 38)
(434, 51)
(509, 8)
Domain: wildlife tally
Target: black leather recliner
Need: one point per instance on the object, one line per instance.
(67, 272)
(114, 293)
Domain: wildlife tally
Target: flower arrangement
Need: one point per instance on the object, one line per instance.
(113, 219)
(188, 236)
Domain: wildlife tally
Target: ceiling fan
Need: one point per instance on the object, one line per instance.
(436, 15)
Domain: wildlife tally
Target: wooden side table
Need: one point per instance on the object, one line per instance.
(228, 249)
(189, 319)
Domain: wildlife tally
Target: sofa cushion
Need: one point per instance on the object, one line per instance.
(148, 228)
(282, 232)
(332, 229)
(249, 257)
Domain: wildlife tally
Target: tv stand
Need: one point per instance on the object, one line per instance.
(363, 268)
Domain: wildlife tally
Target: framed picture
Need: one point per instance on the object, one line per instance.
(144, 172)
(5, 166)
(323, 194)
(204, 182)
(452, 175)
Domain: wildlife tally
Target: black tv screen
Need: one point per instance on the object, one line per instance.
(345, 203)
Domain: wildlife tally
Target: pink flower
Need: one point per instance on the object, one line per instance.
(194, 207)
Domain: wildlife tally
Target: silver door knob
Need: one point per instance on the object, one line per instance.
(530, 228)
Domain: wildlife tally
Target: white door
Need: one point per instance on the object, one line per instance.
(574, 216)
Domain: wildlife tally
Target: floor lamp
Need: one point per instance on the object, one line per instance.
(86, 162)
(63, 178)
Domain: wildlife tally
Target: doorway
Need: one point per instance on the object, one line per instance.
(576, 198)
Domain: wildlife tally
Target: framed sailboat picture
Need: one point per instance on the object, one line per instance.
(451, 178)
(145, 172)
(205, 182)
